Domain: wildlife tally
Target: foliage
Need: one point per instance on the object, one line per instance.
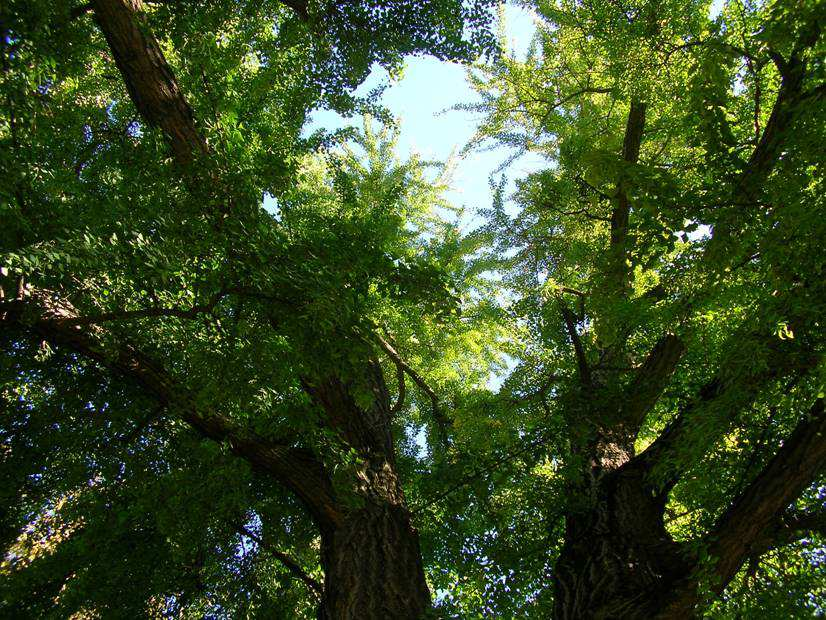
(278, 258)
(711, 256)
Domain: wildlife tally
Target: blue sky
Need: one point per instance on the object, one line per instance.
(421, 101)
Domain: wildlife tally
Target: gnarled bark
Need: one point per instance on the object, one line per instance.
(618, 560)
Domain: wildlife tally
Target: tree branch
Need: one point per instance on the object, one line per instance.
(708, 416)
(416, 377)
(617, 266)
(299, 470)
(766, 153)
(783, 479)
(651, 378)
(148, 77)
(757, 511)
(748, 184)
(125, 315)
(788, 529)
(784, 112)
(570, 325)
(291, 565)
(397, 406)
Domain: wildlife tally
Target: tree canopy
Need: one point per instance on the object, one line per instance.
(246, 369)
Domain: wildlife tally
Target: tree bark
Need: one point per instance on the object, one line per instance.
(753, 516)
(369, 549)
(371, 559)
(148, 77)
(618, 560)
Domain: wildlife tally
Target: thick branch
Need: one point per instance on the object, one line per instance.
(785, 477)
(702, 421)
(618, 252)
(148, 77)
(126, 315)
(297, 469)
(651, 378)
(757, 511)
(784, 111)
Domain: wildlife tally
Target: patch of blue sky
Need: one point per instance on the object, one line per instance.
(422, 101)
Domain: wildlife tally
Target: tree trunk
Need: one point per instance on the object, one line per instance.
(370, 553)
(371, 558)
(618, 560)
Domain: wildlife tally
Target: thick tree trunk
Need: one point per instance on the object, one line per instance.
(370, 552)
(618, 560)
(372, 567)
(371, 557)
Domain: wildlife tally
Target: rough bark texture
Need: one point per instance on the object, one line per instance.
(618, 559)
(371, 558)
(372, 562)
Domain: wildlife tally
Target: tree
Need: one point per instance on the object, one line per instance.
(149, 293)
(669, 270)
(245, 369)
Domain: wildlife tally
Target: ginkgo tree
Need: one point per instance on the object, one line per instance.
(246, 370)
(232, 357)
(668, 269)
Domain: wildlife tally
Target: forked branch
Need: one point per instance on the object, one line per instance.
(416, 378)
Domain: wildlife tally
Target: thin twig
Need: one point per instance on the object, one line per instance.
(290, 564)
